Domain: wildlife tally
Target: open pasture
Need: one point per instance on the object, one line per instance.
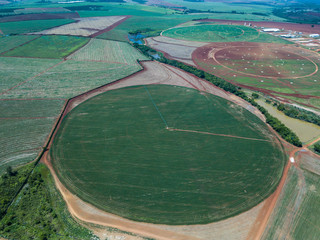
(162, 154)
(49, 47)
(213, 33)
(108, 51)
(279, 68)
(84, 26)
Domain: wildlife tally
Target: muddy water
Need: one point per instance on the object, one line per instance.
(305, 131)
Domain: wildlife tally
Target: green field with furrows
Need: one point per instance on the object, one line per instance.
(108, 51)
(71, 78)
(9, 42)
(52, 46)
(24, 127)
(296, 215)
(213, 33)
(160, 154)
(31, 26)
(14, 71)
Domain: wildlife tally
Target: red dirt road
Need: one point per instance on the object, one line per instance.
(264, 216)
(110, 27)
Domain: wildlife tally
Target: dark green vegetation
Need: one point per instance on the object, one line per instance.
(303, 12)
(10, 183)
(9, 42)
(39, 212)
(213, 33)
(12, 28)
(52, 46)
(316, 147)
(147, 153)
(299, 113)
(276, 124)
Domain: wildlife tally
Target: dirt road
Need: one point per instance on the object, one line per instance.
(257, 233)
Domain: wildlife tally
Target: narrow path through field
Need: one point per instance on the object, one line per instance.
(216, 134)
(154, 104)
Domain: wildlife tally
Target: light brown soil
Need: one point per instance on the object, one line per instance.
(176, 49)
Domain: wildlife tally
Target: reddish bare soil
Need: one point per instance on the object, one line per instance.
(304, 28)
(243, 54)
(231, 53)
(264, 216)
(39, 16)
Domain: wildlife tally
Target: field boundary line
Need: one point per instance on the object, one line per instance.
(154, 104)
(216, 134)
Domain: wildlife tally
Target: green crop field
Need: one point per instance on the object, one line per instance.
(213, 33)
(71, 78)
(31, 26)
(52, 46)
(24, 127)
(108, 51)
(152, 154)
(15, 71)
(153, 24)
(9, 42)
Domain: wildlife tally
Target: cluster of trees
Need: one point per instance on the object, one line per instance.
(10, 183)
(275, 123)
(39, 212)
(317, 147)
(299, 113)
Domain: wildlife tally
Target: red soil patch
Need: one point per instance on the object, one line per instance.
(205, 56)
(40, 16)
(252, 59)
(110, 27)
(304, 28)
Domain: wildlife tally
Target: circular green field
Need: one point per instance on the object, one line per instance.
(166, 154)
(213, 33)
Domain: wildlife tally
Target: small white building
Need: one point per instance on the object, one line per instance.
(314, 35)
(271, 30)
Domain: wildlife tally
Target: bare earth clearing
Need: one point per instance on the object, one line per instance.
(84, 26)
(176, 49)
(156, 73)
